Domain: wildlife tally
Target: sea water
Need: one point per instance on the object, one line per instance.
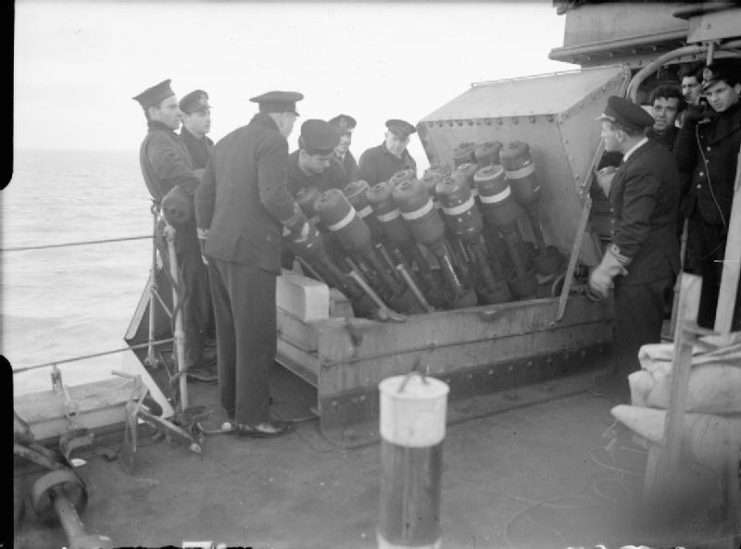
(61, 303)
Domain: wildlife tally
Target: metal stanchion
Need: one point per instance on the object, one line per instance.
(412, 426)
(151, 359)
(179, 333)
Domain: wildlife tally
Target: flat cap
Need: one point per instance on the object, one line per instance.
(154, 95)
(343, 122)
(400, 128)
(278, 101)
(195, 101)
(628, 114)
(318, 137)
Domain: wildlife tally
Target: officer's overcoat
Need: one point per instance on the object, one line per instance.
(244, 194)
(644, 201)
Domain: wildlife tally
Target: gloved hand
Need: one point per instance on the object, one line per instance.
(305, 239)
(694, 113)
(601, 278)
(177, 207)
(604, 178)
(202, 235)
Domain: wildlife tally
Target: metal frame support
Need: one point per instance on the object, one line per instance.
(151, 358)
(179, 332)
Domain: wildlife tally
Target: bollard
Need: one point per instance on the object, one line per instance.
(412, 426)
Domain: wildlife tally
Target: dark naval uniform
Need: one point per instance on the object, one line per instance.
(707, 152)
(241, 202)
(377, 164)
(199, 149)
(644, 198)
(165, 164)
(666, 138)
(333, 177)
(345, 124)
(350, 165)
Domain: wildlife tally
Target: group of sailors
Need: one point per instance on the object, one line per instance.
(232, 203)
(660, 171)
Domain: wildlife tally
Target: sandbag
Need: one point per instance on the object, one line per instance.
(714, 382)
(708, 439)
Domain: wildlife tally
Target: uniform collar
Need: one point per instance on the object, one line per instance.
(264, 120)
(634, 148)
(185, 132)
(388, 152)
(155, 125)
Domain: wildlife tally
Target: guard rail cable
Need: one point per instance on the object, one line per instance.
(170, 268)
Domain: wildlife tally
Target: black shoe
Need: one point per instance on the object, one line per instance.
(270, 429)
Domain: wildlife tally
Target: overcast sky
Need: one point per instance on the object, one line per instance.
(77, 65)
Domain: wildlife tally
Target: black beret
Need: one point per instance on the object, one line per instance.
(154, 95)
(278, 101)
(343, 122)
(400, 128)
(195, 101)
(319, 137)
(628, 114)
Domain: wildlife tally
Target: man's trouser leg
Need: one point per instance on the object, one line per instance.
(196, 305)
(226, 345)
(638, 319)
(251, 293)
(707, 242)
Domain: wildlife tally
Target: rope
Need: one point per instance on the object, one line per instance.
(83, 357)
(84, 243)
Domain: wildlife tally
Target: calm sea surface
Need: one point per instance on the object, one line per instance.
(64, 302)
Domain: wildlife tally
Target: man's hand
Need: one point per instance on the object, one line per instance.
(694, 113)
(601, 278)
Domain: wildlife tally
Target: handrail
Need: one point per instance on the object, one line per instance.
(93, 355)
(67, 244)
(649, 69)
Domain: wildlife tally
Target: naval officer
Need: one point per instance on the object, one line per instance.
(379, 163)
(196, 124)
(642, 258)
(243, 205)
(345, 124)
(172, 179)
(707, 151)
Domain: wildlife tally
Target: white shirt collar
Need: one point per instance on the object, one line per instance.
(633, 149)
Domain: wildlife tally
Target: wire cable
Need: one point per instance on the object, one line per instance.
(68, 244)
(92, 355)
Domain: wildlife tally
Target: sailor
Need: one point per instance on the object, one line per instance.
(691, 82)
(642, 258)
(196, 124)
(313, 165)
(706, 150)
(170, 176)
(243, 206)
(380, 163)
(666, 104)
(346, 125)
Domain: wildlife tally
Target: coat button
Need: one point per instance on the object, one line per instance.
(709, 149)
(699, 186)
(701, 174)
